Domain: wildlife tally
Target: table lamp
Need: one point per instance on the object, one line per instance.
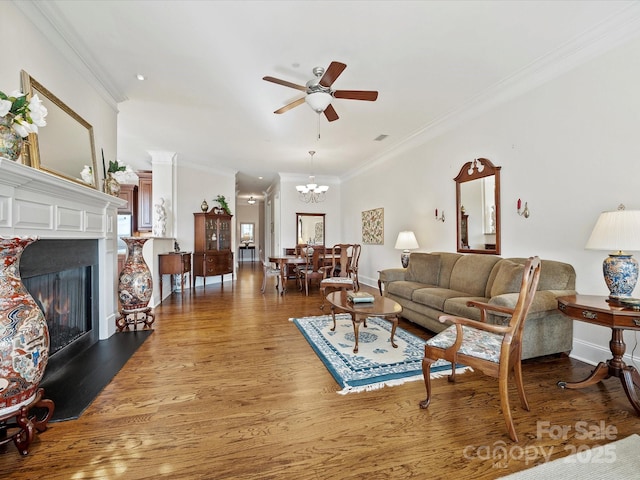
(406, 241)
(618, 231)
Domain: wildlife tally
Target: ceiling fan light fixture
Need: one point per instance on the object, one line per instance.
(251, 201)
(318, 101)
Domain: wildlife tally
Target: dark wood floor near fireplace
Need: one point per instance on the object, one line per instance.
(226, 387)
(79, 381)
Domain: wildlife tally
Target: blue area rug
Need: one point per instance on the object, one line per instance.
(377, 364)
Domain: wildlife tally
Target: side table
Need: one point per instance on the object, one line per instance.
(251, 248)
(174, 263)
(598, 311)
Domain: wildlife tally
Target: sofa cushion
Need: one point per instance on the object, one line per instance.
(553, 275)
(470, 274)
(435, 297)
(403, 289)
(423, 268)
(458, 306)
(508, 278)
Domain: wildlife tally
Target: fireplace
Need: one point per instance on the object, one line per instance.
(36, 203)
(62, 276)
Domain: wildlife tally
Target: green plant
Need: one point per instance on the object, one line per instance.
(116, 167)
(223, 204)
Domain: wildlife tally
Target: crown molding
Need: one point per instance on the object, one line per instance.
(612, 32)
(47, 18)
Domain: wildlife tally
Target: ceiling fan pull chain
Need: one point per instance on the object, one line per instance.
(318, 125)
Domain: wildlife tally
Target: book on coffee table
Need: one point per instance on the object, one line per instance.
(359, 297)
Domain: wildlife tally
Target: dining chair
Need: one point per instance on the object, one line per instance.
(313, 269)
(353, 266)
(494, 349)
(268, 270)
(337, 275)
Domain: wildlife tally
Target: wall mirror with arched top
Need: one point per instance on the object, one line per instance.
(478, 207)
(310, 228)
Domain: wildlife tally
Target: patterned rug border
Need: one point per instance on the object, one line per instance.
(411, 370)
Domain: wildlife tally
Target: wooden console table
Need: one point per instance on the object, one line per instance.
(598, 311)
(174, 263)
(251, 248)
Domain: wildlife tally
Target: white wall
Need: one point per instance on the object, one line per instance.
(195, 184)
(29, 50)
(569, 148)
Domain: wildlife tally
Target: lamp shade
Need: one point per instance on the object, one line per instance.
(616, 231)
(406, 241)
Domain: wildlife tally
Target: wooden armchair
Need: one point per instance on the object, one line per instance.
(353, 266)
(496, 350)
(337, 276)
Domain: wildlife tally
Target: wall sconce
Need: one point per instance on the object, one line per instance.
(525, 212)
(441, 217)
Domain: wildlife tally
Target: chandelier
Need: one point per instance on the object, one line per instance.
(312, 192)
(251, 201)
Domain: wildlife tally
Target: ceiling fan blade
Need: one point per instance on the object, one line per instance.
(285, 83)
(289, 106)
(332, 73)
(356, 94)
(330, 113)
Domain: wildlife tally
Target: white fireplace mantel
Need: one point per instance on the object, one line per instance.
(36, 203)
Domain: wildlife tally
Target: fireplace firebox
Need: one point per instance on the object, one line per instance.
(62, 276)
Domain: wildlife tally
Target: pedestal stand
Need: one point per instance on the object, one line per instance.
(19, 426)
(134, 317)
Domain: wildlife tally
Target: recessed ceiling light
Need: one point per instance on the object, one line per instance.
(260, 178)
(140, 77)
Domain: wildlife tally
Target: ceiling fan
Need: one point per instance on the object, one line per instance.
(319, 93)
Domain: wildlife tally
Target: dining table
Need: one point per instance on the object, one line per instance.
(284, 262)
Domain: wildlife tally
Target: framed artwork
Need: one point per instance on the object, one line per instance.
(373, 226)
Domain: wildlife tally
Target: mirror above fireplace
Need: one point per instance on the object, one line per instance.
(65, 146)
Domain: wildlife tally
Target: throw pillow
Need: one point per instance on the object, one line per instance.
(508, 279)
(423, 268)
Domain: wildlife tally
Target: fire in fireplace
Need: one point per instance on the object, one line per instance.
(62, 276)
(65, 299)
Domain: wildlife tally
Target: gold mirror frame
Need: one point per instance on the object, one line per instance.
(65, 145)
(309, 227)
(476, 216)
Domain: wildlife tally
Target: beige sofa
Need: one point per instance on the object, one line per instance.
(443, 282)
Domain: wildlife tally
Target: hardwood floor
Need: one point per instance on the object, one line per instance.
(226, 387)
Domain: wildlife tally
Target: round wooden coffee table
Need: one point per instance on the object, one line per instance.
(380, 307)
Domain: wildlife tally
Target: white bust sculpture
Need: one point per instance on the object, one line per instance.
(160, 223)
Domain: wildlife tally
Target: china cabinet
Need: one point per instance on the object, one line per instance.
(212, 253)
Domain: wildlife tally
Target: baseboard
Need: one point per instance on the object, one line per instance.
(593, 354)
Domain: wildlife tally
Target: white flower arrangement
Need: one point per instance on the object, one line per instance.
(87, 174)
(25, 116)
(123, 173)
